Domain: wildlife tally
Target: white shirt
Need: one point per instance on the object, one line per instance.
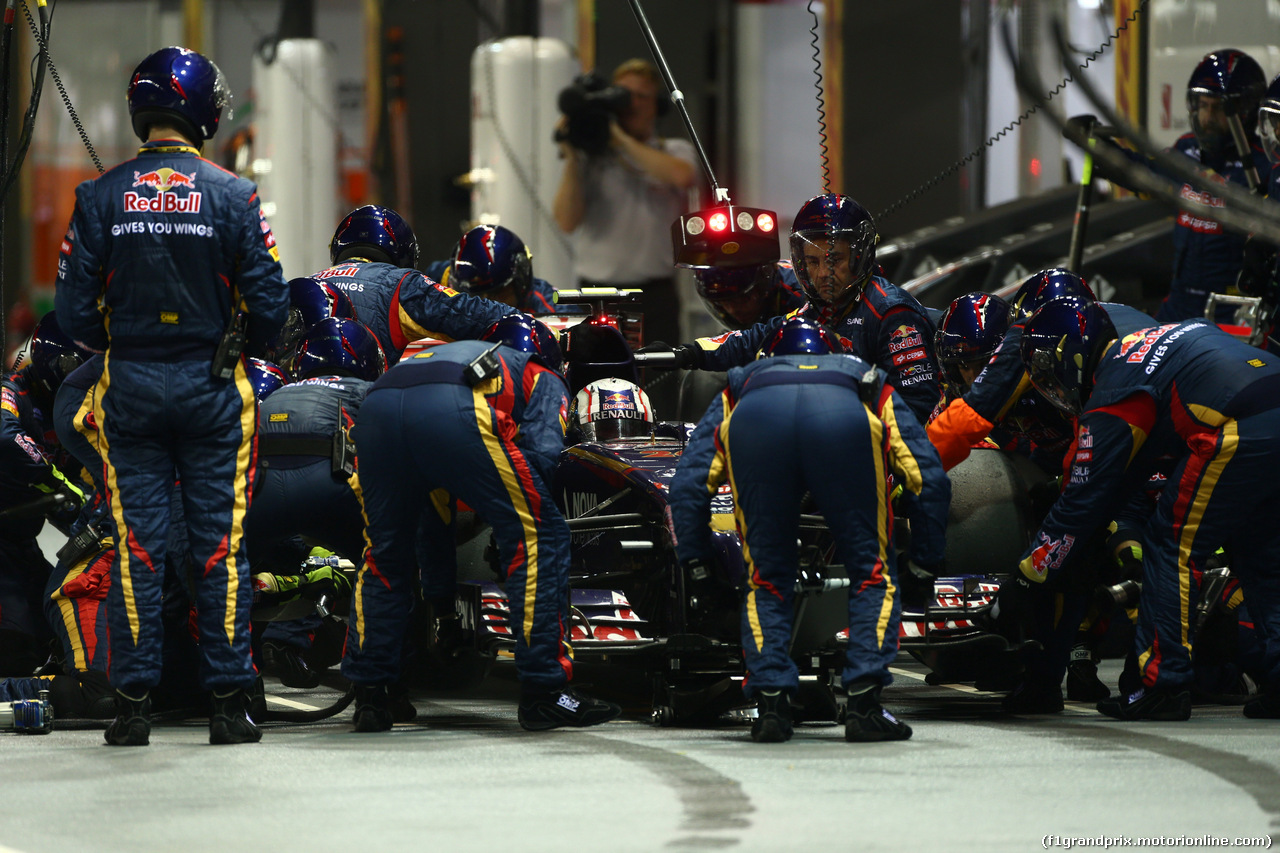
(625, 233)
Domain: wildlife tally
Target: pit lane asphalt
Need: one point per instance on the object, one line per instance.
(463, 776)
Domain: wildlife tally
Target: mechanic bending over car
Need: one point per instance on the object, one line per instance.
(833, 251)
(308, 480)
(174, 394)
(790, 422)
(740, 297)
(499, 406)
(374, 254)
(1186, 389)
(991, 399)
(494, 263)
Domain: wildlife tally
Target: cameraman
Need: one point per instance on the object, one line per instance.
(619, 204)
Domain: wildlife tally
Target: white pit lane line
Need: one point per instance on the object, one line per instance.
(1070, 709)
(279, 700)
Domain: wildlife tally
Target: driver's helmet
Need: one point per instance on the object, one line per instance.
(1269, 120)
(612, 408)
(1236, 79)
(969, 334)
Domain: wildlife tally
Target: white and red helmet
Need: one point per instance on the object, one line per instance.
(613, 408)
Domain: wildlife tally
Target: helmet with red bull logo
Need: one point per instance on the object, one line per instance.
(609, 409)
(181, 88)
(376, 233)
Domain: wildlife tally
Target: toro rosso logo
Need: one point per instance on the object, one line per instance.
(162, 181)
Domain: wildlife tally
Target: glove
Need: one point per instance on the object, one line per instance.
(916, 582)
(325, 580)
(72, 498)
(1129, 559)
(686, 356)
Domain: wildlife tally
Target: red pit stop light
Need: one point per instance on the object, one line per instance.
(725, 236)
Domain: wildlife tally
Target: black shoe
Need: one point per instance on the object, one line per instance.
(866, 720)
(373, 708)
(230, 721)
(1032, 697)
(1264, 707)
(773, 723)
(132, 725)
(1083, 684)
(398, 703)
(1149, 704)
(287, 663)
(548, 709)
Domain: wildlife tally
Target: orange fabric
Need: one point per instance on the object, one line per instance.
(956, 431)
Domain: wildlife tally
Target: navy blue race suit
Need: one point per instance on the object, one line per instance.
(161, 251)
(298, 493)
(1002, 398)
(1206, 257)
(1190, 390)
(785, 425)
(75, 597)
(423, 432)
(540, 298)
(402, 305)
(887, 327)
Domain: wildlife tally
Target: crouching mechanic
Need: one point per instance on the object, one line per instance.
(1214, 402)
(307, 479)
(740, 297)
(804, 419)
(32, 465)
(375, 255)
(484, 422)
